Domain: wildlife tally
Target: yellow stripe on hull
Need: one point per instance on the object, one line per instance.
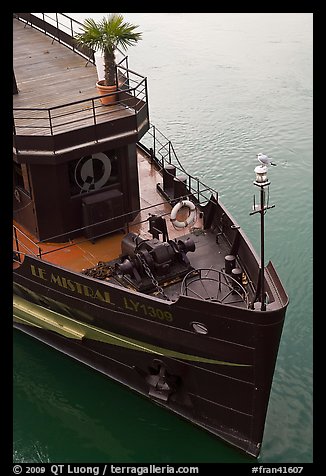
(32, 314)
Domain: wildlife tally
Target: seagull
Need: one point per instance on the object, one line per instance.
(265, 160)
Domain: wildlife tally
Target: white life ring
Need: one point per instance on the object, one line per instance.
(191, 218)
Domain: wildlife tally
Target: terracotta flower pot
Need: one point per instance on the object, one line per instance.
(106, 90)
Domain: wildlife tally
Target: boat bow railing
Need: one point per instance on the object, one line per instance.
(214, 285)
(163, 153)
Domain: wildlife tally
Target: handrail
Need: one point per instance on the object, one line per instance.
(16, 232)
(38, 244)
(24, 234)
(199, 191)
(58, 30)
(54, 30)
(50, 119)
(130, 83)
(214, 276)
(80, 101)
(170, 157)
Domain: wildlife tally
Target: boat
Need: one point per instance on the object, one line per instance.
(123, 260)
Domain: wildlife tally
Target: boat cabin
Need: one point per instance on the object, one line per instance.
(75, 160)
(53, 199)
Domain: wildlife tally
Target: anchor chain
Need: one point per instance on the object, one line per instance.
(151, 276)
(101, 271)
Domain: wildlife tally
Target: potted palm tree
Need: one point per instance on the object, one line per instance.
(106, 35)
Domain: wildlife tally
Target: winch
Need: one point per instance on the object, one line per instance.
(147, 263)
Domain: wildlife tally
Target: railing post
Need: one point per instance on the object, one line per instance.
(116, 76)
(50, 122)
(146, 98)
(17, 243)
(43, 18)
(127, 66)
(72, 34)
(94, 118)
(51, 130)
(154, 141)
(57, 21)
(14, 125)
(15, 89)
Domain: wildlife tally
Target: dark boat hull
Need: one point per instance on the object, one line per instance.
(220, 381)
(87, 192)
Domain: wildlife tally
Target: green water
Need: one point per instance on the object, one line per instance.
(222, 87)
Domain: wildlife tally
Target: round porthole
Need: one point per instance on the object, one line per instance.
(199, 328)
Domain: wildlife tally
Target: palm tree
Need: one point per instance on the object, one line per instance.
(107, 35)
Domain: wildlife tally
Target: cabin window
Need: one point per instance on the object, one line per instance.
(92, 172)
(21, 177)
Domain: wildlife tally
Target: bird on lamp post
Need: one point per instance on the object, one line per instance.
(265, 160)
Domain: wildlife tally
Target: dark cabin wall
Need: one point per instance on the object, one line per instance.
(59, 211)
(132, 178)
(49, 201)
(23, 211)
(72, 213)
(23, 208)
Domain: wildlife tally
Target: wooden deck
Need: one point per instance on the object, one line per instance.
(66, 78)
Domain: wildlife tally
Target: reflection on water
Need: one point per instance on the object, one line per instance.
(65, 412)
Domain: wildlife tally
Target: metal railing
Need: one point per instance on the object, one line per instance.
(52, 120)
(132, 95)
(158, 142)
(214, 285)
(163, 153)
(60, 27)
(45, 122)
(20, 247)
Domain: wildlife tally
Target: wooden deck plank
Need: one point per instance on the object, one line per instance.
(65, 79)
(29, 66)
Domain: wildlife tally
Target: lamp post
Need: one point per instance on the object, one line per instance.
(261, 182)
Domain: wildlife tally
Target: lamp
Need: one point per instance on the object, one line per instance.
(261, 176)
(261, 182)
